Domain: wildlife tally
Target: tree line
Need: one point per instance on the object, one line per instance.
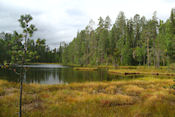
(134, 41)
(11, 44)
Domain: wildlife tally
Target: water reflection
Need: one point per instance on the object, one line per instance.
(57, 74)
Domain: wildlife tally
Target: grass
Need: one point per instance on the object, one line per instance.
(43, 63)
(130, 67)
(85, 68)
(133, 90)
(134, 98)
(142, 70)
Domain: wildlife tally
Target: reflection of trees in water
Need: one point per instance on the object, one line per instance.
(41, 75)
(66, 75)
(70, 75)
(61, 75)
(8, 75)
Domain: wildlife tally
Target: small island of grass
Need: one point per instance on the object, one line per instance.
(144, 71)
(85, 68)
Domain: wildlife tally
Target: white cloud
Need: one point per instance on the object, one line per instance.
(59, 20)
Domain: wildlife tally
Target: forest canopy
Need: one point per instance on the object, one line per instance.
(134, 41)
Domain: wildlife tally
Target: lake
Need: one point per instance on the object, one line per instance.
(58, 74)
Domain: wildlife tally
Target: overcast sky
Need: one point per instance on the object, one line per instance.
(59, 20)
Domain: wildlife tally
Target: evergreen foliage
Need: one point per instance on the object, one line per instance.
(135, 41)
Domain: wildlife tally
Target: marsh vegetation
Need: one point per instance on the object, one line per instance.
(139, 98)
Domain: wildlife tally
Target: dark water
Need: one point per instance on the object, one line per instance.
(57, 74)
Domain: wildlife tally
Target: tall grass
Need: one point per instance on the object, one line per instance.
(135, 98)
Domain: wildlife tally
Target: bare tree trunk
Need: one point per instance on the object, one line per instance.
(144, 60)
(115, 63)
(163, 61)
(121, 60)
(20, 99)
(157, 59)
(22, 75)
(148, 59)
(157, 54)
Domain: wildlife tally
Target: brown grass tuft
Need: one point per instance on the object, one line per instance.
(133, 90)
(117, 100)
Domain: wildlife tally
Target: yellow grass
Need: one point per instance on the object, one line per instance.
(134, 98)
(85, 68)
(131, 67)
(133, 90)
(142, 71)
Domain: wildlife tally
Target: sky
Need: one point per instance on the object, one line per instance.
(60, 20)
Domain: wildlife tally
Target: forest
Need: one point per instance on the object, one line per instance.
(9, 44)
(134, 41)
